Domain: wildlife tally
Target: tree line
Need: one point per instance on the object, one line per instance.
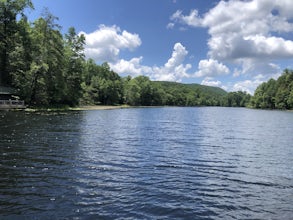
(43, 65)
(49, 69)
(275, 94)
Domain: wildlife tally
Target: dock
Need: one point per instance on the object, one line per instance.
(8, 99)
(12, 104)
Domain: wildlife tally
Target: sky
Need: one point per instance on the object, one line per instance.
(232, 44)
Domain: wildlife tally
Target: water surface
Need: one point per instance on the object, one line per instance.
(147, 163)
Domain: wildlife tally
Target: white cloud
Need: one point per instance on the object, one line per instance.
(243, 29)
(244, 32)
(208, 81)
(192, 19)
(211, 67)
(248, 86)
(132, 67)
(257, 66)
(272, 47)
(105, 43)
(173, 70)
(178, 55)
(170, 25)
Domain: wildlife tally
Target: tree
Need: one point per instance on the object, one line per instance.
(101, 85)
(9, 28)
(133, 93)
(269, 94)
(89, 70)
(159, 95)
(290, 98)
(21, 59)
(238, 99)
(47, 67)
(283, 89)
(74, 66)
(275, 93)
(146, 90)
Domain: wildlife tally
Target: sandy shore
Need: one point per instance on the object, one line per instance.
(100, 107)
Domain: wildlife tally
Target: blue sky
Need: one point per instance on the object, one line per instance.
(235, 44)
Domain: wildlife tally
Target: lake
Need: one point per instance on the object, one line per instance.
(147, 163)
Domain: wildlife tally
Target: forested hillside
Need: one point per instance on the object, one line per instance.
(191, 94)
(47, 68)
(103, 86)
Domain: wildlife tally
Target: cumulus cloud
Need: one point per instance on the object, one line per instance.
(192, 19)
(272, 47)
(210, 68)
(178, 55)
(131, 67)
(258, 66)
(105, 43)
(173, 70)
(248, 86)
(245, 31)
(209, 81)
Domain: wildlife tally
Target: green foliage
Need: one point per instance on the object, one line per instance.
(101, 85)
(74, 67)
(10, 38)
(45, 67)
(237, 99)
(275, 94)
(48, 62)
(132, 93)
(173, 94)
(142, 91)
(48, 69)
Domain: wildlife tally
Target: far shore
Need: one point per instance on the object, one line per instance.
(111, 107)
(78, 108)
(85, 108)
(99, 107)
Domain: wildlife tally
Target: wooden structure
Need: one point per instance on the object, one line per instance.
(8, 100)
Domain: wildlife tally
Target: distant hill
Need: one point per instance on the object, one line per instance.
(208, 89)
(192, 87)
(191, 94)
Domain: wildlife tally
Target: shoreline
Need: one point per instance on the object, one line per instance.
(78, 108)
(98, 107)
(113, 107)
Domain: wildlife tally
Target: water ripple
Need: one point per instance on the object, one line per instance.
(158, 163)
